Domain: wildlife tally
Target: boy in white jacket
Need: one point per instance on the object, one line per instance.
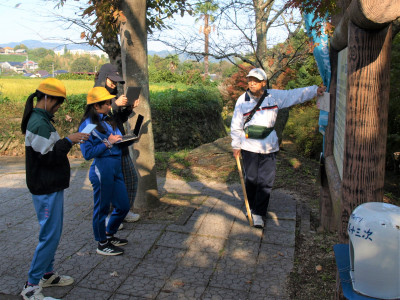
(256, 140)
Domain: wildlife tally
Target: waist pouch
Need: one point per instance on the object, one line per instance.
(257, 132)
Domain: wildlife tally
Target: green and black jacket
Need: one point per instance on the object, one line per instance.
(47, 165)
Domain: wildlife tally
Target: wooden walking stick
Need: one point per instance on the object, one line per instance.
(246, 201)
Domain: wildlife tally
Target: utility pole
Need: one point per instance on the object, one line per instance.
(52, 65)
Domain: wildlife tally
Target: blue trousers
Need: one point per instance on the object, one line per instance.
(50, 211)
(260, 172)
(108, 188)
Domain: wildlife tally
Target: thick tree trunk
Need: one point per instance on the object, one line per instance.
(133, 36)
(366, 119)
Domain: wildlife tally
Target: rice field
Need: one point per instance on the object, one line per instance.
(18, 89)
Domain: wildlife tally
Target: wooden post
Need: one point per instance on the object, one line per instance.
(368, 66)
(327, 212)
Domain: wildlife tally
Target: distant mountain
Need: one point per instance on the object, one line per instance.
(32, 44)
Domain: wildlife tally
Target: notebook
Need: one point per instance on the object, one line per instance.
(89, 128)
(132, 94)
(134, 135)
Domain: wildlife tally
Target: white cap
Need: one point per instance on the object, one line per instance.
(257, 73)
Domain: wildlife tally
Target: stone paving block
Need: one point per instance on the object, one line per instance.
(177, 290)
(12, 285)
(259, 296)
(231, 279)
(215, 293)
(190, 226)
(117, 296)
(271, 285)
(175, 240)
(237, 264)
(79, 265)
(207, 244)
(140, 242)
(157, 271)
(276, 255)
(141, 286)
(241, 230)
(279, 238)
(199, 259)
(280, 225)
(241, 249)
(281, 215)
(194, 275)
(165, 255)
(59, 292)
(146, 226)
(226, 211)
(87, 294)
(104, 279)
(217, 226)
(17, 266)
(120, 264)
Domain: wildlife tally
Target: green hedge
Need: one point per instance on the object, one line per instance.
(186, 119)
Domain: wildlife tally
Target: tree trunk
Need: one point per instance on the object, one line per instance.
(261, 33)
(207, 30)
(133, 37)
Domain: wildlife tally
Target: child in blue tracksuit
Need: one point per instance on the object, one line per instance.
(105, 172)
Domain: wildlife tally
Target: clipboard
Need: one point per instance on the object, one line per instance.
(132, 93)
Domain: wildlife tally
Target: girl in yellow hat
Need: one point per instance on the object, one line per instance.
(105, 172)
(47, 176)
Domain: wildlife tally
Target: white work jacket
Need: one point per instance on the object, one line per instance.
(264, 116)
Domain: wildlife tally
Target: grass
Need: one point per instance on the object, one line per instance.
(18, 89)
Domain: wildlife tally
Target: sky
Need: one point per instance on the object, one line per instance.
(34, 20)
(37, 20)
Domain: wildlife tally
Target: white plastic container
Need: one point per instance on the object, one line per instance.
(374, 234)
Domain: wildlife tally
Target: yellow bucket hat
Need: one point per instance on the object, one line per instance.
(98, 94)
(52, 87)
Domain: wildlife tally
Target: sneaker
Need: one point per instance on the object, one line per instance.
(120, 227)
(109, 249)
(56, 280)
(34, 292)
(258, 221)
(131, 217)
(117, 241)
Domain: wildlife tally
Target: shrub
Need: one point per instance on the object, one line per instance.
(186, 119)
(302, 127)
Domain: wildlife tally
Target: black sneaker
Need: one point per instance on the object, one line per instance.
(109, 249)
(117, 241)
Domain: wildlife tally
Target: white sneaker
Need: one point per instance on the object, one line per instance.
(131, 217)
(258, 221)
(34, 293)
(121, 226)
(56, 280)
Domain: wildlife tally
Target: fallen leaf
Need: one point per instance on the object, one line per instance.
(178, 283)
(114, 274)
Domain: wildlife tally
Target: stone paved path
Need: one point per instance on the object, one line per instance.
(211, 253)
